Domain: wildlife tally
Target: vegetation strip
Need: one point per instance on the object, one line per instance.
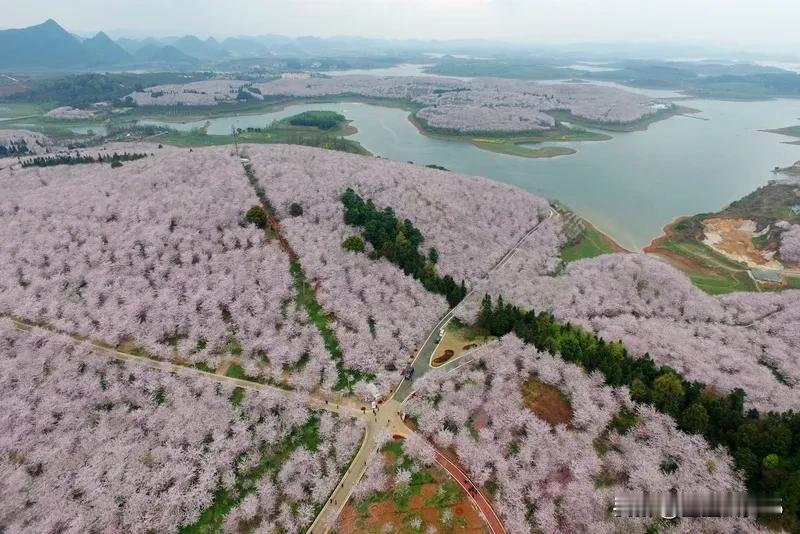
(399, 243)
(766, 447)
(76, 159)
(320, 129)
(305, 295)
(246, 482)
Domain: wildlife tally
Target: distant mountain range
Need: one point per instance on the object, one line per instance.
(50, 46)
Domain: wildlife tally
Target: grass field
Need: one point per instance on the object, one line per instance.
(513, 149)
(282, 132)
(13, 110)
(593, 243)
(459, 338)
(511, 142)
(51, 127)
(196, 113)
(707, 269)
(633, 126)
(793, 282)
(31, 116)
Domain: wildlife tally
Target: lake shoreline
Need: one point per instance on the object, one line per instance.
(508, 143)
(630, 184)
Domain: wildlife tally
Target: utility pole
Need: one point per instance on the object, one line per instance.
(235, 143)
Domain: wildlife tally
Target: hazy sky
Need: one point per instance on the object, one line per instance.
(751, 23)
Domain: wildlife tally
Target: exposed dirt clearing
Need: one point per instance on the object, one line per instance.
(546, 402)
(734, 239)
(465, 519)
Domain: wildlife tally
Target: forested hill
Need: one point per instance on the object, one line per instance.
(51, 46)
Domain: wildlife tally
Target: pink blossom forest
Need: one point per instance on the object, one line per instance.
(91, 445)
(127, 296)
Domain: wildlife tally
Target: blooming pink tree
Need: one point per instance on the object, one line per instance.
(124, 448)
(156, 254)
(654, 309)
(790, 244)
(551, 468)
(381, 315)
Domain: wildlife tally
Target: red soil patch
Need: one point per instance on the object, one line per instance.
(385, 512)
(615, 247)
(735, 239)
(470, 346)
(389, 458)
(678, 261)
(439, 360)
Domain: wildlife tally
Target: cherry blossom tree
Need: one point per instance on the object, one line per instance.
(741, 340)
(200, 93)
(87, 444)
(481, 104)
(374, 478)
(790, 244)
(156, 254)
(22, 142)
(381, 315)
(565, 473)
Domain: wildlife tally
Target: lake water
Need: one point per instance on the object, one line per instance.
(630, 187)
(589, 67)
(403, 69)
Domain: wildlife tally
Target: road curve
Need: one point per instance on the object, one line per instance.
(484, 507)
(422, 360)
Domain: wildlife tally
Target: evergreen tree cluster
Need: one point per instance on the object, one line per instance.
(256, 215)
(399, 243)
(766, 447)
(324, 120)
(76, 159)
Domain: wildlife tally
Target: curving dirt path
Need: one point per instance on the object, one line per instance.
(312, 400)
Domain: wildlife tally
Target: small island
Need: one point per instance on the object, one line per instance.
(789, 131)
(321, 129)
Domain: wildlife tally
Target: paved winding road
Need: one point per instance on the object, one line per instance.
(478, 498)
(422, 360)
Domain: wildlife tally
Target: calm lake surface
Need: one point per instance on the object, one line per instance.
(629, 187)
